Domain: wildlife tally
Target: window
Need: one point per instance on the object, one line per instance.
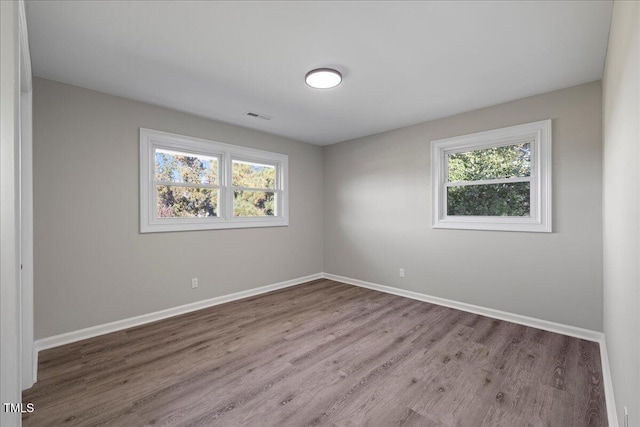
(194, 184)
(494, 180)
(254, 188)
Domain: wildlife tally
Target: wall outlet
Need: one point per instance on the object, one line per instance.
(194, 283)
(401, 272)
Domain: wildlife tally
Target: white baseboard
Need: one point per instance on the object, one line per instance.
(608, 384)
(559, 328)
(546, 325)
(118, 325)
(34, 358)
(70, 337)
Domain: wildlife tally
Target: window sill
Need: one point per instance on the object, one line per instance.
(196, 225)
(529, 225)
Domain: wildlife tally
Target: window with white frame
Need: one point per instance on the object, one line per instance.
(494, 180)
(195, 184)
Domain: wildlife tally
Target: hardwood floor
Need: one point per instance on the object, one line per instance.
(325, 354)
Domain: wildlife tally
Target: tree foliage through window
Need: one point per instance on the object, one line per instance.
(252, 184)
(174, 198)
(469, 194)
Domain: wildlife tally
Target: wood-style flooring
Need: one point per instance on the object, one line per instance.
(322, 354)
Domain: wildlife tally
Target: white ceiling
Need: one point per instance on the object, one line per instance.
(403, 62)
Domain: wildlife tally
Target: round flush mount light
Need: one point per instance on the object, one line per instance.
(323, 78)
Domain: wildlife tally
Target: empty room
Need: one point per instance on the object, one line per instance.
(320, 213)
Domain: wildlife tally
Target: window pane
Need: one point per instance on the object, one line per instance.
(186, 202)
(509, 199)
(253, 203)
(491, 163)
(172, 166)
(253, 175)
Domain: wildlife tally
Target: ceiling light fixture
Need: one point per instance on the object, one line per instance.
(323, 78)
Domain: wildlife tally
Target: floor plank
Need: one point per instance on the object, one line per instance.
(327, 354)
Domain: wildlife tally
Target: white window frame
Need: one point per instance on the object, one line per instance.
(538, 134)
(150, 140)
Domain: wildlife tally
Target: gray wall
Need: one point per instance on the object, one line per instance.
(377, 216)
(621, 96)
(92, 266)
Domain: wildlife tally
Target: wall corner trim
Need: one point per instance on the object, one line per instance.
(546, 325)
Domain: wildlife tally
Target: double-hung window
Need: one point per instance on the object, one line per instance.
(194, 184)
(494, 180)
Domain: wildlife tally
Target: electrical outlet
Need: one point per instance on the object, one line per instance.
(194, 283)
(401, 272)
(626, 417)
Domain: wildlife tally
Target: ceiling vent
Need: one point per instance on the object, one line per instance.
(257, 115)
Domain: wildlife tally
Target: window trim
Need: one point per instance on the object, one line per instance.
(149, 223)
(539, 135)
